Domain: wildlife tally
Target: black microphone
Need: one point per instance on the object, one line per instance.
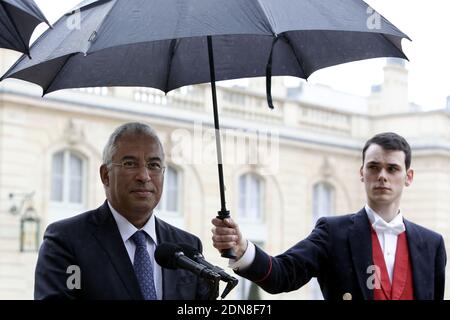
(197, 256)
(171, 256)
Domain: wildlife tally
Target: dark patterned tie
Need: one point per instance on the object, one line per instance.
(143, 266)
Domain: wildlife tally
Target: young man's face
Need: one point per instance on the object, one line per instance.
(384, 175)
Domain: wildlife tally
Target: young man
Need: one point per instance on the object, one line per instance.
(373, 254)
(111, 249)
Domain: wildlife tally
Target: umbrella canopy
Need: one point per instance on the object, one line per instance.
(18, 19)
(164, 45)
(167, 44)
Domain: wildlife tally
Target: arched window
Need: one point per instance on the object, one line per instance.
(68, 185)
(251, 218)
(251, 196)
(323, 200)
(171, 197)
(323, 205)
(67, 178)
(169, 207)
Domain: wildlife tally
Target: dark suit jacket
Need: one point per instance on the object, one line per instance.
(92, 242)
(339, 251)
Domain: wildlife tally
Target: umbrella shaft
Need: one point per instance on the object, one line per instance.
(217, 129)
(223, 213)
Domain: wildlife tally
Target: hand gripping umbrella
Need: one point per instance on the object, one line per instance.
(18, 19)
(167, 44)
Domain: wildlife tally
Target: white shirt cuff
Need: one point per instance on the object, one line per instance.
(246, 260)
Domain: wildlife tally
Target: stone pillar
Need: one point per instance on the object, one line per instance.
(392, 95)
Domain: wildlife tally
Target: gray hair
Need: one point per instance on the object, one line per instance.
(130, 128)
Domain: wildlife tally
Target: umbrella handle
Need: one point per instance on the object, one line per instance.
(226, 253)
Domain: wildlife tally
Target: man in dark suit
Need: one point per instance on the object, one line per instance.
(108, 253)
(374, 254)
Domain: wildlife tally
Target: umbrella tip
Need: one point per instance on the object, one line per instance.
(27, 53)
(47, 23)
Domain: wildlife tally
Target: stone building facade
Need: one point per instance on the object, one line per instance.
(283, 168)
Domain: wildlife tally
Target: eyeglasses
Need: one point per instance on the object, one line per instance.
(153, 167)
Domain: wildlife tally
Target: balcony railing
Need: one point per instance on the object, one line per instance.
(190, 98)
(243, 104)
(249, 106)
(324, 120)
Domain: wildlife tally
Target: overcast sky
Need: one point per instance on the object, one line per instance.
(427, 23)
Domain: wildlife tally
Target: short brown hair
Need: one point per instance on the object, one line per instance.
(390, 141)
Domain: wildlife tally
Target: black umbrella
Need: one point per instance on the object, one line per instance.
(167, 44)
(18, 19)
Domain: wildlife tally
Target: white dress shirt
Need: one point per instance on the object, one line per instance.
(246, 259)
(127, 229)
(387, 236)
(387, 233)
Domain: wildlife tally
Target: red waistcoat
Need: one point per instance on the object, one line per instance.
(402, 281)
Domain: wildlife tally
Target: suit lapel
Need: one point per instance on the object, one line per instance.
(169, 277)
(361, 250)
(419, 255)
(107, 233)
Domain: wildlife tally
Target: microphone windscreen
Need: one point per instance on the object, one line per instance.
(165, 255)
(188, 250)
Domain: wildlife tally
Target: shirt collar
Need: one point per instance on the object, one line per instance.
(127, 229)
(374, 217)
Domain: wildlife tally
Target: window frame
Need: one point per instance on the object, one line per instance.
(260, 216)
(162, 205)
(67, 178)
(316, 293)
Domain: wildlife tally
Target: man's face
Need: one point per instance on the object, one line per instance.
(384, 175)
(134, 192)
